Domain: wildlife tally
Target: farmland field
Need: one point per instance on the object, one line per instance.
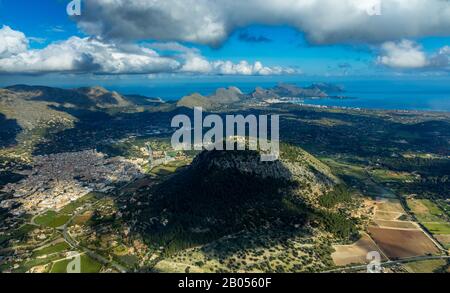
(356, 253)
(433, 218)
(425, 266)
(426, 211)
(390, 206)
(382, 175)
(444, 240)
(397, 243)
(387, 216)
(396, 224)
(438, 228)
(388, 210)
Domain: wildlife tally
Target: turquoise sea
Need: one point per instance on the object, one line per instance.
(369, 94)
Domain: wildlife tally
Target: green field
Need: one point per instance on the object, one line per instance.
(52, 249)
(88, 265)
(357, 176)
(425, 266)
(163, 170)
(426, 210)
(345, 168)
(438, 228)
(170, 168)
(431, 216)
(52, 219)
(88, 198)
(382, 175)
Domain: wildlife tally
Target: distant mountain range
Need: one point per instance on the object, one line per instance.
(232, 96)
(32, 106)
(87, 97)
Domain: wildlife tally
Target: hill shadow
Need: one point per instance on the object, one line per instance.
(9, 129)
(92, 128)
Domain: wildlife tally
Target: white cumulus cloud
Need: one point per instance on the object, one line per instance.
(403, 54)
(194, 62)
(92, 55)
(12, 42)
(245, 68)
(82, 55)
(410, 55)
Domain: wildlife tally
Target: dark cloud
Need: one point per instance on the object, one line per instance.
(211, 22)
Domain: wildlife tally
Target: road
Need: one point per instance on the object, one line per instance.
(387, 263)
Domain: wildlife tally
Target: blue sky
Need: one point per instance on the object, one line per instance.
(282, 46)
(43, 19)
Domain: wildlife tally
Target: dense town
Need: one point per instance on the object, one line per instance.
(58, 179)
